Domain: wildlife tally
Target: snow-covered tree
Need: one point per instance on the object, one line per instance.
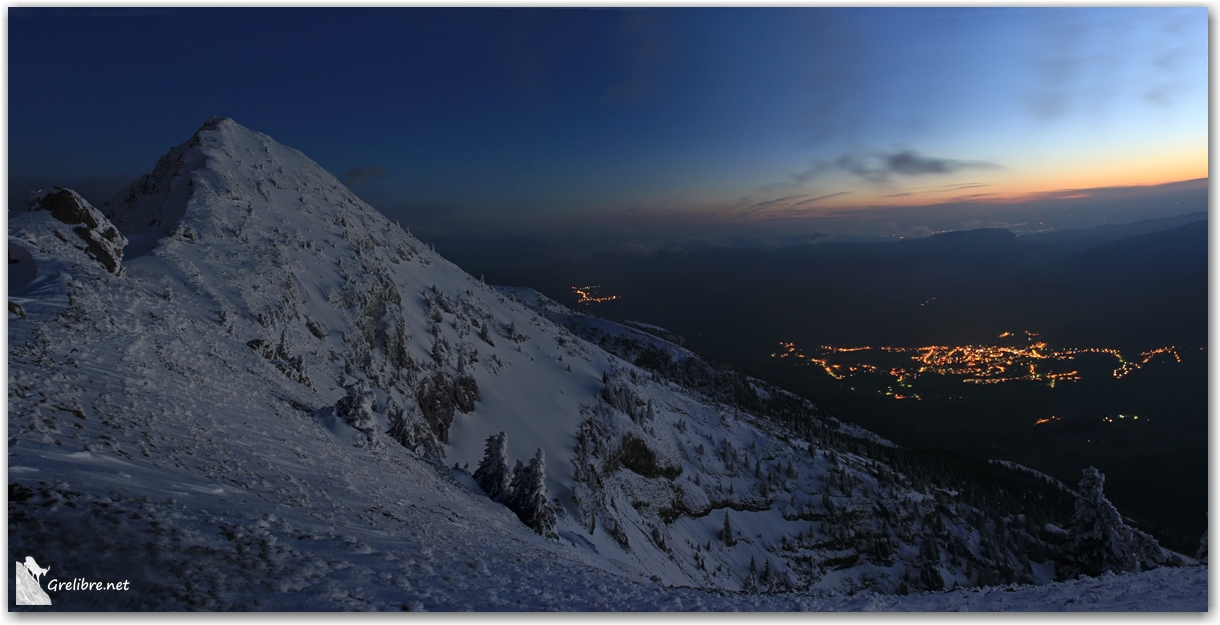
(529, 496)
(359, 406)
(1201, 554)
(1099, 540)
(726, 532)
(750, 583)
(492, 474)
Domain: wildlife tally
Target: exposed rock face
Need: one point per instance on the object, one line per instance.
(155, 204)
(636, 456)
(102, 240)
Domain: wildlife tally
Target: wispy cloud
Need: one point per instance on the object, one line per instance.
(820, 198)
(973, 197)
(783, 206)
(940, 189)
(781, 202)
(1108, 193)
(1084, 64)
(959, 187)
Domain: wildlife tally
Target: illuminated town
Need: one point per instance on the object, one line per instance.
(588, 295)
(975, 364)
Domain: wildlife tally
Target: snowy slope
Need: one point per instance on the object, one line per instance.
(256, 404)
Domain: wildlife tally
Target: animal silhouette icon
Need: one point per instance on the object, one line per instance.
(37, 571)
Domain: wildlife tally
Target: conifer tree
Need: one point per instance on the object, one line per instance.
(726, 532)
(492, 475)
(751, 581)
(529, 496)
(359, 406)
(1099, 540)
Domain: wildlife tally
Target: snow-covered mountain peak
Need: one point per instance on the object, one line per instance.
(217, 121)
(219, 131)
(221, 159)
(222, 138)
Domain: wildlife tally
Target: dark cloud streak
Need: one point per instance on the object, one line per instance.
(880, 167)
(360, 175)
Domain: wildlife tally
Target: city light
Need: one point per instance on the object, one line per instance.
(975, 364)
(585, 295)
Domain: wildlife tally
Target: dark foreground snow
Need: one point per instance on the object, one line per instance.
(441, 558)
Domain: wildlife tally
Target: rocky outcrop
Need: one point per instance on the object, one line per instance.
(441, 395)
(100, 239)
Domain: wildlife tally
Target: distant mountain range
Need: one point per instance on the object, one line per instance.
(1076, 239)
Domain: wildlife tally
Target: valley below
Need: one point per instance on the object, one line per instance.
(981, 343)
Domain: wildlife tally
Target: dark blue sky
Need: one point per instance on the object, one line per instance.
(552, 119)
